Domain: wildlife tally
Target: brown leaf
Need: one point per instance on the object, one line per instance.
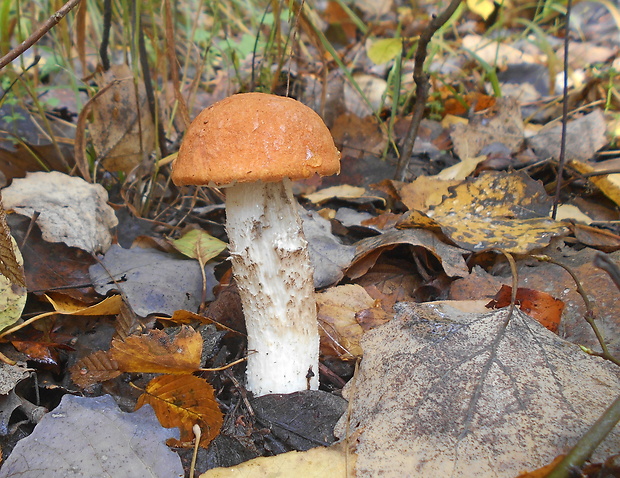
(9, 266)
(357, 136)
(158, 352)
(538, 305)
(368, 250)
(94, 368)
(600, 239)
(122, 130)
(184, 401)
(502, 123)
(339, 330)
(53, 265)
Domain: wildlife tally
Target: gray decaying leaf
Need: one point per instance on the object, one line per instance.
(93, 437)
(70, 209)
(584, 137)
(328, 255)
(441, 392)
(153, 281)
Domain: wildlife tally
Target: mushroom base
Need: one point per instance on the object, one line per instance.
(272, 270)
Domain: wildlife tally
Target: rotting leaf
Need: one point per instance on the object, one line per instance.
(340, 333)
(199, 245)
(498, 210)
(12, 295)
(184, 401)
(538, 305)
(480, 394)
(122, 130)
(158, 352)
(94, 368)
(501, 123)
(13, 290)
(10, 266)
(91, 436)
(70, 209)
(145, 275)
(451, 258)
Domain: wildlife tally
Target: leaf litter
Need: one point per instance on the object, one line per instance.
(447, 393)
(459, 387)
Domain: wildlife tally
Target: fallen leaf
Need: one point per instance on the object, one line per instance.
(93, 437)
(608, 184)
(425, 192)
(451, 258)
(484, 8)
(12, 294)
(373, 88)
(382, 50)
(340, 333)
(500, 124)
(356, 136)
(200, 245)
(496, 53)
(183, 401)
(498, 210)
(11, 375)
(335, 192)
(584, 137)
(538, 305)
(94, 368)
(51, 265)
(300, 420)
(145, 275)
(159, 352)
(122, 128)
(70, 209)
(68, 306)
(328, 255)
(448, 393)
(600, 239)
(11, 262)
(319, 462)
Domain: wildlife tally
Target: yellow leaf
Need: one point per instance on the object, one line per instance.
(158, 352)
(384, 49)
(484, 8)
(68, 306)
(344, 192)
(498, 210)
(184, 401)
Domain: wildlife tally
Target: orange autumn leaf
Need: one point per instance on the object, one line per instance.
(158, 352)
(184, 401)
(538, 305)
(543, 471)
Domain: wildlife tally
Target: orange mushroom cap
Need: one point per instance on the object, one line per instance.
(255, 137)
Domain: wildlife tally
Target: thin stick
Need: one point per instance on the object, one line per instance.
(422, 85)
(562, 158)
(36, 36)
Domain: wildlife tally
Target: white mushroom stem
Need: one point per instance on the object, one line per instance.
(272, 269)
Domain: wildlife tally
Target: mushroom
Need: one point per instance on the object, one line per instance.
(254, 145)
